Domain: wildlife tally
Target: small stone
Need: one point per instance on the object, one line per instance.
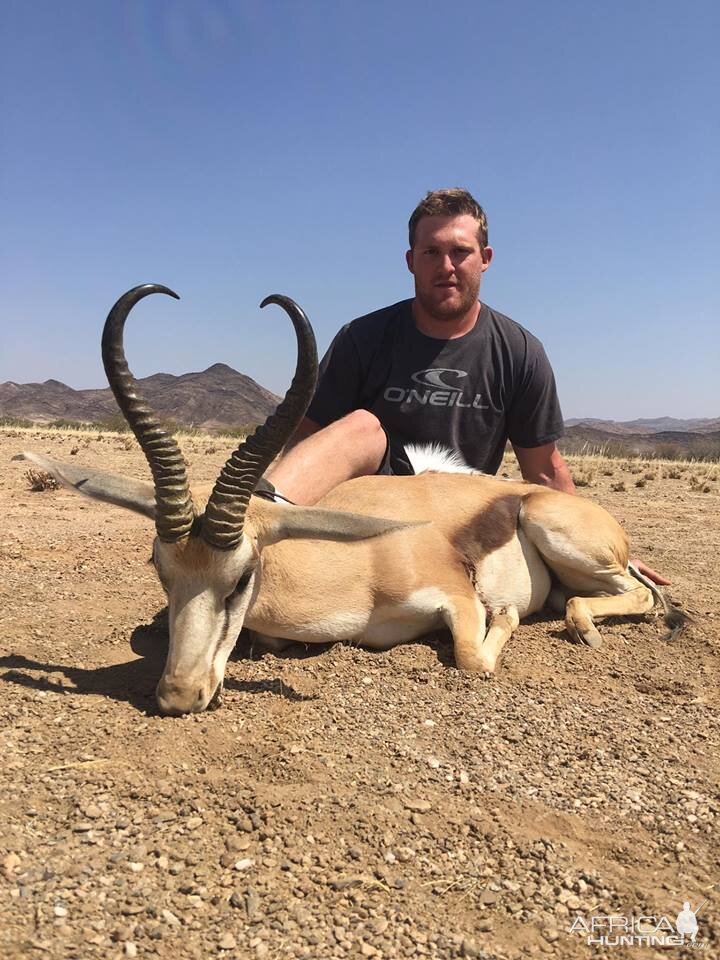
(194, 822)
(227, 942)
(485, 925)
(551, 934)
(162, 863)
(170, 919)
(60, 910)
(471, 949)
(10, 864)
(252, 903)
(433, 763)
(130, 949)
(237, 844)
(244, 864)
(92, 811)
(136, 867)
(418, 806)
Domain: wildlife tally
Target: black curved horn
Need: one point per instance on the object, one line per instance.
(174, 513)
(225, 512)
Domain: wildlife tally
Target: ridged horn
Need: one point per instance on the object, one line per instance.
(174, 512)
(225, 512)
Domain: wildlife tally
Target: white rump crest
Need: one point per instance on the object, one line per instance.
(434, 456)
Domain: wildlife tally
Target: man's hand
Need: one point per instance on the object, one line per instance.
(648, 572)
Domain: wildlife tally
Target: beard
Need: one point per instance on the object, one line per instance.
(447, 309)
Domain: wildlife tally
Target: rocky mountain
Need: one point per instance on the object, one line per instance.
(212, 399)
(220, 397)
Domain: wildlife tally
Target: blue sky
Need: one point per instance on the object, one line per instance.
(234, 148)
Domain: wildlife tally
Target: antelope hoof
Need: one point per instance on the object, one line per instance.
(592, 638)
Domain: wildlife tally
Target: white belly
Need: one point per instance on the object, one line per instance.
(380, 628)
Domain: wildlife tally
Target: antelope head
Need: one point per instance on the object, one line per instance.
(208, 561)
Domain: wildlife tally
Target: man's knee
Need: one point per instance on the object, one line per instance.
(364, 435)
(362, 423)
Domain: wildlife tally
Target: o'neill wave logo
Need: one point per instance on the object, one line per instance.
(617, 930)
(438, 387)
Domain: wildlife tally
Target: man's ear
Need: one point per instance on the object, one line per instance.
(410, 261)
(135, 495)
(487, 256)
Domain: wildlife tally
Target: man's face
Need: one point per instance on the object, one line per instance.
(447, 263)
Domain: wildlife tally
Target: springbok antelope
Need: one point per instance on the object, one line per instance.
(457, 550)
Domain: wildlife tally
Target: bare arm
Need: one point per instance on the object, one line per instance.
(545, 465)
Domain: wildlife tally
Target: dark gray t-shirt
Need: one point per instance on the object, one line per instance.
(470, 394)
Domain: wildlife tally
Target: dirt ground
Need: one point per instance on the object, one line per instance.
(343, 803)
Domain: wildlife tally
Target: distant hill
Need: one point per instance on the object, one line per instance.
(213, 399)
(656, 425)
(582, 438)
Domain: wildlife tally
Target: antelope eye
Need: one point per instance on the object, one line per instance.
(242, 583)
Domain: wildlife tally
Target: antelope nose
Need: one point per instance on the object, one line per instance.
(175, 698)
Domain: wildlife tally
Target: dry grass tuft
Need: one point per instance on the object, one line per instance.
(39, 480)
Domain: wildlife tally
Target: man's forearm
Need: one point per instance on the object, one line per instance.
(545, 465)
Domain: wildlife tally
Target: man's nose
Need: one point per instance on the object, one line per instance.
(446, 263)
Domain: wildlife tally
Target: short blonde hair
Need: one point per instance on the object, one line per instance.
(454, 202)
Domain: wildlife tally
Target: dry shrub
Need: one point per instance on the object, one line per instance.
(672, 473)
(699, 485)
(640, 482)
(618, 487)
(39, 480)
(651, 475)
(584, 478)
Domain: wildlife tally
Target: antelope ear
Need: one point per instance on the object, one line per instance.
(314, 523)
(135, 495)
